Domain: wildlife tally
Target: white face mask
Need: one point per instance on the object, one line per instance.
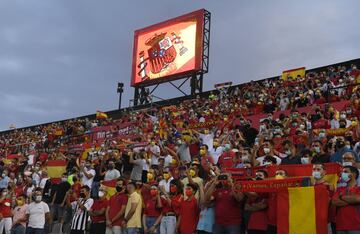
(317, 149)
(316, 175)
(304, 160)
(347, 164)
(288, 152)
(266, 150)
(342, 116)
(266, 163)
(38, 198)
(101, 193)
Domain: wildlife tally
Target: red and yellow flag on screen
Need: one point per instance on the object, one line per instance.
(303, 210)
(55, 168)
(101, 115)
(293, 73)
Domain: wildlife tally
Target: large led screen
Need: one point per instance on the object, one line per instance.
(168, 50)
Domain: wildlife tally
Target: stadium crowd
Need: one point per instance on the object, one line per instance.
(171, 175)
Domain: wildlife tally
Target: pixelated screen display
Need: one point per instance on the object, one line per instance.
(168, 50)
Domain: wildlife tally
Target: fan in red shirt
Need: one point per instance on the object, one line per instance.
(5, 211)
(346, 200)
(189, 211)
(152, 212)
(97, 213)
(226, 159)
(227, 201)
(116, 208)
(256, 204)
(171, 207)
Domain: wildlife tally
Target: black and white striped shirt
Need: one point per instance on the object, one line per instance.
(80, 217)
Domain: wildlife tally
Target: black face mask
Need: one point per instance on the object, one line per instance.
(349, 138)
(118, 188)
(258, 178)
(340, 144)
(111, 167)
(82, 195)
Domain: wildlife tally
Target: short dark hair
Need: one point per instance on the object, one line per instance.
(87, 188)
(193, 186)
(353, 170)
(264, 172)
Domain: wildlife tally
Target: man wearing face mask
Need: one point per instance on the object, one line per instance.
(112, 172)
(5, 212)
(37, 213)
(116, 209)
(221, 191)
(317, 152)
(290, 152)
(216, 150)
(348, 159)
(19, 216)
(341, 150)
(164, 184)
(57, 209)
(87, 174)
(152, 212)
(347, 200)
(226, 159)
(81, 208)
(97, 213)
(267, 150)
(192, 178)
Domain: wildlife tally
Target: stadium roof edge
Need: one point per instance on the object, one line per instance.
(117, 113)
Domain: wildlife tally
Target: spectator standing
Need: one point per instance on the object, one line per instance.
(58, 199)
(132, 218)
(152, 212)
(116, 209)
(97, 213)
(37, 214)
(111, 173)
(81, 209)
(19, 216)
(5, 212)
(87, 174)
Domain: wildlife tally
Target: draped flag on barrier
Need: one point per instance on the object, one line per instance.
(303, 210)
(304, 170)
(269, 186)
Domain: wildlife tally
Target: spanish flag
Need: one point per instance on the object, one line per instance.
(110, 187)
(303, 210)
(293, 73)
(101, 115)
(56, 168)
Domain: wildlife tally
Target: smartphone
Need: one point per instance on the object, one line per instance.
(222, 177)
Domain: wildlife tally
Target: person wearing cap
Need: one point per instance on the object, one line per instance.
(152, 212)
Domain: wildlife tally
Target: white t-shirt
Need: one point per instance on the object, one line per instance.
(166, 184)
(112, 174)
(216, 153)
(207, 139)
(167, 160)
(85, 180)
(37, 213)
(43, 182)
(154, 150)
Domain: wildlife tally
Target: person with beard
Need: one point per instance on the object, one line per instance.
(116, 209)
(221, 191)
(81, 208)
(97, 213)
(256, 204)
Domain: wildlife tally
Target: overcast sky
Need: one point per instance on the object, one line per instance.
(62, 59)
